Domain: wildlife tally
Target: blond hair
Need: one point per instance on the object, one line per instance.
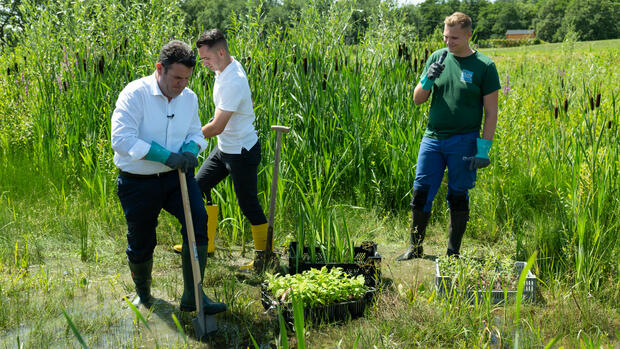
(458, 18)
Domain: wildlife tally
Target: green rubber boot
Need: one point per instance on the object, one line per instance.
(188, 300)
(141, 275)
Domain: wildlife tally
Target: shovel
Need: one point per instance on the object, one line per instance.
(203, 324)
(274, 188)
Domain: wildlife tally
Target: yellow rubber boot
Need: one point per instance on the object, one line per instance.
(259, 235)
(212, 211)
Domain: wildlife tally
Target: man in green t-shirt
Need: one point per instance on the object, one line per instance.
(464, 82)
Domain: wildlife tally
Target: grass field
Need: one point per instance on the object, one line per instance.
(346, 174)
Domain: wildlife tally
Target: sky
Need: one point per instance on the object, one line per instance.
(409, 2)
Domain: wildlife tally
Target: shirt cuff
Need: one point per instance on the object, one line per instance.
(139, 150)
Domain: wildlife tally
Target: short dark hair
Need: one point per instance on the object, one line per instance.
(177, 52)
(212, 38)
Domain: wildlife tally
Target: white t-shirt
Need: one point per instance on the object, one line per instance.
(144, 115)
(231, 92)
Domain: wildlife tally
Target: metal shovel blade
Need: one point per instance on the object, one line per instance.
(204, 327)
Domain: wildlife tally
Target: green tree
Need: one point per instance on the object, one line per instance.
(548, 22)
(284, 13)
(592, 19)
(10, 21)
(207, 14)
(503, 15)
(430, 16)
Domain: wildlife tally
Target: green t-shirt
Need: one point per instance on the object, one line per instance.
(456, 105)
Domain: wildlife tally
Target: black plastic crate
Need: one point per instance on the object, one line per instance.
(319, 313)
(367, 262)
(444, 287)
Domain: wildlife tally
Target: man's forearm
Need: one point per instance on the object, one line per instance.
(490, 115)
(420, 95)
(490, 124)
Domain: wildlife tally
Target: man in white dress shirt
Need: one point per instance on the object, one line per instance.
(155, 131)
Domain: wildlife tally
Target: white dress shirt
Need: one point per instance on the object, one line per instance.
(143, 115)
(231, 92)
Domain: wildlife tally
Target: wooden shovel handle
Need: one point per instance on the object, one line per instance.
(189, 224)
(284, 129)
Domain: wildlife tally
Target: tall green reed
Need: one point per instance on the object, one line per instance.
(355, 130)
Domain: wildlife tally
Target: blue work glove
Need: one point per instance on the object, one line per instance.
(481, 159)
(191, 147)
(163, 155)
(433, 72)
(429, 79)
(190, 152)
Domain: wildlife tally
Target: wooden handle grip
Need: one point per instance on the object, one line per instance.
(280, 128)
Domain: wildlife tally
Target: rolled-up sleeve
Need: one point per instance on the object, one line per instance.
(126, 120)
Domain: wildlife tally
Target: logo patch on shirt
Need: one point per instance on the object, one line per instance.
(467, 76)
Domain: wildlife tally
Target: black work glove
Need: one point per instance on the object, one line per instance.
(176, 160)
(435, 70)
(476, 162)
(192, 161)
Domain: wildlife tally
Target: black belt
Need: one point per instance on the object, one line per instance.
(145, 176)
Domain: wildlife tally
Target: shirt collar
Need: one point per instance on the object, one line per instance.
(230, 67)
(155, 90)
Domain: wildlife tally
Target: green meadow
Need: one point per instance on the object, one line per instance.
(346, 175)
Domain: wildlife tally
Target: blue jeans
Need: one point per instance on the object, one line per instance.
(433, 157)
(143, 199)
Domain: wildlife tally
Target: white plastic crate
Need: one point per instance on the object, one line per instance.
(444, 287)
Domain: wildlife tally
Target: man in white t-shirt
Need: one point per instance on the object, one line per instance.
(238, 151)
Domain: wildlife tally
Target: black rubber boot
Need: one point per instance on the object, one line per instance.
(419, 221)
(458, 224)
(141, 275)
(188, 300)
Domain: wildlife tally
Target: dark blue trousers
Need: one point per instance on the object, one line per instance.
(243, 169)
(143, 199)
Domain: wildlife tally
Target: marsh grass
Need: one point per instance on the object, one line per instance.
(346, 174)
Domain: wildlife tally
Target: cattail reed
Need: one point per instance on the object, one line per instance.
(556, 111)
(101, 65)
(565, 105)
(591, 103)
(598, 100)
(275, 67)
(305, 65)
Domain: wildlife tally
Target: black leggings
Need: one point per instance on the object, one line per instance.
(243, 170)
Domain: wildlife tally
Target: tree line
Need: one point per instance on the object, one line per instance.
(553, 20)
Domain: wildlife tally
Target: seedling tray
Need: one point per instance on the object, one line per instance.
(368, 262)
(444, 287)
(319, 313)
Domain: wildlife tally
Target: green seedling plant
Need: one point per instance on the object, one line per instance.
(316, 287)
(470, 274)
